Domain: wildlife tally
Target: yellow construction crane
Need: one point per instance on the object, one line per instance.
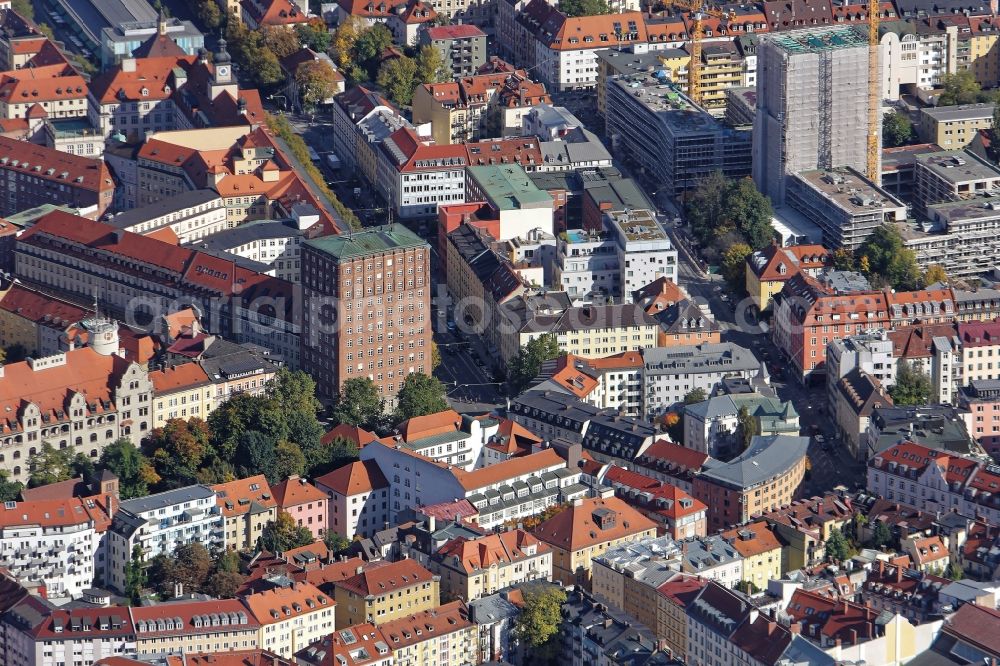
(874, 173)
(698, 11)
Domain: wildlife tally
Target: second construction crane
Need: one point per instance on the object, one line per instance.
(874, 147)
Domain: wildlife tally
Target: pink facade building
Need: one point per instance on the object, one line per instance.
(980, 405)
(304, 502)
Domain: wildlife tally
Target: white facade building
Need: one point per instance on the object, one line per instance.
(189, 215)
(359, 499)
(54, 542)
(869, 352)
(159, 524)
(670, 373)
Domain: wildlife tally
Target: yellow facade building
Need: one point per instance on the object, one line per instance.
(384, 593)
(761, 552)
(219, 625)
(673, 598)
(291, 618)
(182, 392)
(474, 568)
(247, 506)
(444, 636)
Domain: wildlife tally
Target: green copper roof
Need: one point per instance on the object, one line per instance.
(368, 242)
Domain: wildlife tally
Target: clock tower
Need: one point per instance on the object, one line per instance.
(222, 77)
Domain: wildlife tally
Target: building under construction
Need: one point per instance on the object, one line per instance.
(812, 104)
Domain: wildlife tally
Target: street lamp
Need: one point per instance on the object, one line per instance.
(284, 101)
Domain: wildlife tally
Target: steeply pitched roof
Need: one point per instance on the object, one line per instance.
(386, 579)
(294, 491)
(354, 478)
(242, 496)
(591, 522)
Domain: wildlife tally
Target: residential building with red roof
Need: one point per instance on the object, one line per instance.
(679, 515)
(908, 592)
(52, 176)
(186, 391)
(214, 625)
(767, 270)
(58, 241)
(929, 554)
(673, 597)
(416, 175)
(761, 550)
(290, 617)
(585, 530)
(462, 47)
(68, 531)
(359, 437)
(505, 491)
(38, 634)
(35, 321)
(387, 592)
(304, 502)
(804, 526)
(359, 499)
(447, 437)
(57, 89)
(474, 568)
(811, 312)
(909, 472)
(20, 40)
(971, 631)
(247, 506)
(357, 645)
(91, 397)
(511, 440)
(271, 13)
(672, 463)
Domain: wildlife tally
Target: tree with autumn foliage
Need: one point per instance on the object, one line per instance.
(178, 451)
(317, 82)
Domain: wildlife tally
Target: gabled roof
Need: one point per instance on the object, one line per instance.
(354, 478)
(178, 378)
(294, 491)
(575, 527)
(243, 496)
(425, 625)
(753, 539)
(188, 617)
(781, 263)
(159, 46)
(419, 427)
(472, 556)
(358, 436)
(387, 579)
(55, 166)
(280, 604)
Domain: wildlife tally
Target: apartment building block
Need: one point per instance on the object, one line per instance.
(979, 401)
(462, 47)
(804, 526)
(290, 618)
(679, 515)
(769, 269)
(189, 215)
(305, 503)
(159, 523)
(416, 175)
(761, 479)
(247, 506)
(627, 576)
(36, 635)
(954, 127)
(216, 625)
(340, 343)
(670, 373)
(952, 176)
(477, 567)
(380, 593)
(711, 426)
(359, 499)
(675, 140)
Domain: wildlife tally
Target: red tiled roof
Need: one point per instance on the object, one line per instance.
(666, 500)
(146, 618)
(39, 308)
(178, 377)
(418, 627)
(508, 469)
(459, 31)
(752, 539)
(281, 603)
(357, 436)
(414, 154)
(354, 478)
(84, 624)
(682, 589)
(236, 498)
(438, 423)
(475, 555)
(976, 625)
(663, 451)
(294, 491)
(387, 579)
(55, 166)
(574, 527)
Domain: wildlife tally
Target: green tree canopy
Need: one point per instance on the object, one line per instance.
(431, 67)
(881, 535)
(398, 78)
(10, 491)
(955, 571)
(734, 265)
(359, 404)
(528, 362)
(897, 130)
(135, 576)
(912, 387)
(720, 209)
(837, 547)
(288, 460)
(584, 7)
(317, 82)
(255, 454)
(283, 534)
(368, 47)
(208, 14)
(884, 258)
(191, 566)
(178, 450)
(314, 35)
(540, 616)
(695, 396)
(960, 88)
(419, 395)
(135, 473)
(746, 427)
(50, 465)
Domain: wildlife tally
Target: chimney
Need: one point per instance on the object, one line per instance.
(795, 628)
(359, 571)
(431, 524)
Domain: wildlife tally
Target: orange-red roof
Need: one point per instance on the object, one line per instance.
(55, 166)
(354, 478)
(358, 436)
(576, 527)
(282, 604)
(413, 629)
(475, 555)
(178, 378)
(387, 579)
(508, 469)
(752, 539)
(420, 427)
(239, 497)
(294, 491)
(65, 512)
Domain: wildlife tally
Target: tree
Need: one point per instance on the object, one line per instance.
(912, 387)
(993, 150)
(706, 207)
(255, 454)
(837, 548)
(934, 274)
(46, 30)
(674, 425)
(317, 82)
(368, 48)
(335, 542)
(435, 356)
(279, 40)
(358, 404)
(881, 535)
(695, 396)
(959, 88)
(135, 576)
(314, 35)
(209, 14)
(746, 427)
(263, 65)
(398, 77)
(9, 490)
(538, 624)
(178, 450)
(723, 211)
(228, 560)
(224, 584)
(955, 571)
(584, 7)
(431, 66)
(897, 130)
(528, 362)
(50, 465)
(15, 353)
(419, 395)
(343, 43)
(751, 212)
(283, 534)
(135, 473)
(889, 259)
(843, 260)
(734, 265)
(191, 566)
(160, 574)
(288, 460)
(23, 8)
